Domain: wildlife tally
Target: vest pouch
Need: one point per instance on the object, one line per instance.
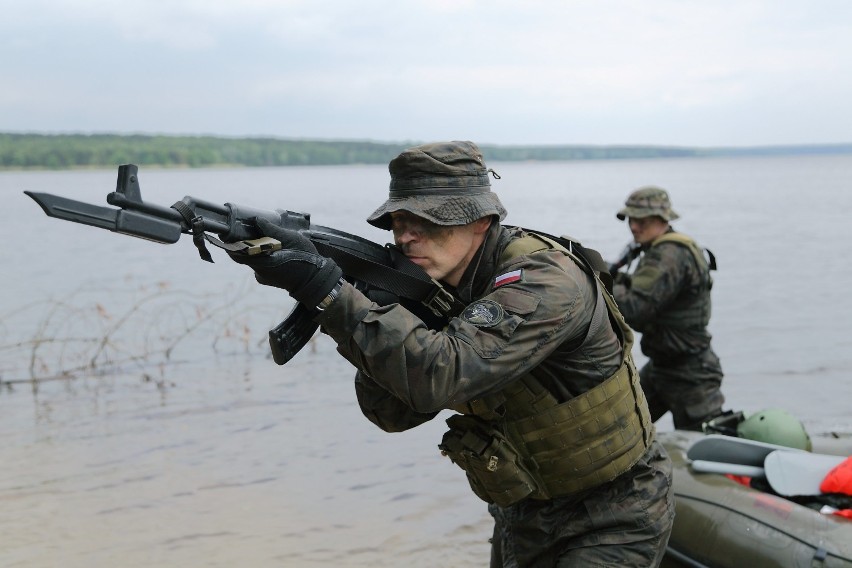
(494, 467)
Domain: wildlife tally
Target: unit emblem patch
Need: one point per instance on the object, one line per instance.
(484, 313)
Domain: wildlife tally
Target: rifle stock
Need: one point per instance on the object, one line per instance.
(363, 262)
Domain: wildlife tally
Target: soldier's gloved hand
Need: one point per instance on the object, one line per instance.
(297, 267)
(623, 279)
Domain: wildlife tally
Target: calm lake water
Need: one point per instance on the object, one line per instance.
(178, 442)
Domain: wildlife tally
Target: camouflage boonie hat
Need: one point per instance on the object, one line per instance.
(445, 183)
(648, 201)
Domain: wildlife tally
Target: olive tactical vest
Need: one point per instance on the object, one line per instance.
(523, 443)
(692, 310)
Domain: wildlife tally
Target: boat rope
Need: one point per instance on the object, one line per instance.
(820, 554)
(683, 558)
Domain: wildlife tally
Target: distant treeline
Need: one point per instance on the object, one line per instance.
(68, 151)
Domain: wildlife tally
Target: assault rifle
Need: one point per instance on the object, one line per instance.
(381, 270)
(628, 255)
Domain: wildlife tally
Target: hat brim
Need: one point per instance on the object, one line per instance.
(641, 213)
(441, 210)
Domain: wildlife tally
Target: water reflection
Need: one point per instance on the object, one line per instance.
(249, 465)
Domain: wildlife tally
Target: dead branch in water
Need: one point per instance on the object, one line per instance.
(98, 331)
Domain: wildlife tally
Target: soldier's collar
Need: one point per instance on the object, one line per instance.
(476, 280)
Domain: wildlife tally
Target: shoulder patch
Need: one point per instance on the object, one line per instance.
(509, 277)
(483, 313)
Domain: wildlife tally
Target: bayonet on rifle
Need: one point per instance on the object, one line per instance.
(362, 262)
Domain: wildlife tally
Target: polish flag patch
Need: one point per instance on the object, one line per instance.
(509, 277)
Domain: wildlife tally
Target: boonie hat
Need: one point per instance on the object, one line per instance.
(445, 183)
(648, 201)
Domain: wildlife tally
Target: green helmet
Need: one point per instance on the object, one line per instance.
(648, 201)
(775, 426)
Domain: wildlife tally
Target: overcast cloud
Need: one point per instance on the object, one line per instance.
(690, 72)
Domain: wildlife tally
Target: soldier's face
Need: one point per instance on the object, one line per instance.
(444, 252)
(646, 229)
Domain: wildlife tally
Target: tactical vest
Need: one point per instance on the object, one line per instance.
(522, 443)
(693, 309)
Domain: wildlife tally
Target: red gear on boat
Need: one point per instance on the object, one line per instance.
(839, 479)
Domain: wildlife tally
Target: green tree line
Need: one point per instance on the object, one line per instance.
(65, 151)
(69, 151)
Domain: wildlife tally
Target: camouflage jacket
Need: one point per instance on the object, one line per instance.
(668, 301)
(407, 373)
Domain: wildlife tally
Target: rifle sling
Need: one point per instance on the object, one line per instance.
(404, 278)
(193, 221)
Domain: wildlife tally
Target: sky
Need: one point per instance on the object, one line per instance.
(700, 73)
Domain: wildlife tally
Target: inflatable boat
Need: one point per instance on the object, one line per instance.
(722, 522)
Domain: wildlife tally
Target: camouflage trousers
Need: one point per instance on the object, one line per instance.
(689, 388)
(626, 523)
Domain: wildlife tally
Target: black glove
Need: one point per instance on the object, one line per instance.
(623, 279)
(297, 267)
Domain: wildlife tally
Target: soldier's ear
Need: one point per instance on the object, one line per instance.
(481, 225)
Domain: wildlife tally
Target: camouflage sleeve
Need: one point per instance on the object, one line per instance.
(384, 409)
(659, 278)
(495, 341)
